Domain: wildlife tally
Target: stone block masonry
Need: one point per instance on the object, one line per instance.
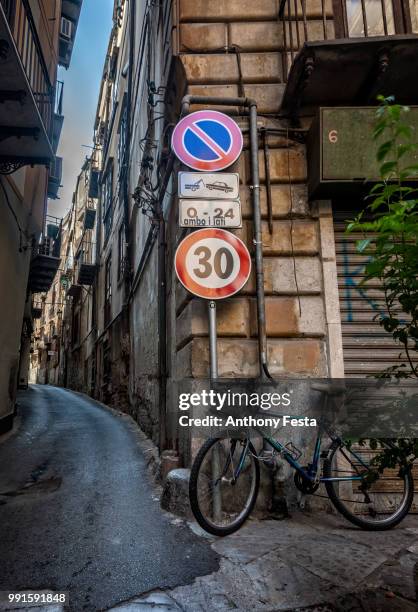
(223, 69)
(295, 311)
(287, 357)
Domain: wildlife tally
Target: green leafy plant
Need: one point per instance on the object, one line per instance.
(389, 223)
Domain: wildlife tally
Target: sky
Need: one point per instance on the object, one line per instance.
(81, 90)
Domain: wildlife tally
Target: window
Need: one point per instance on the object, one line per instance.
(75, 331)
(93, 374)
(370, 17)
(94, 184)
(107, 200)
(107, 364)
(121, 251)
(67, 28)
(108, 291)
(94, 308)
(122, 134)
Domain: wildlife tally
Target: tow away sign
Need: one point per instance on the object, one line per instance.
(222, 186)
(210, 213)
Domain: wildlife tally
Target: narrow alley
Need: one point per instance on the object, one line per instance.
(209, 305)
(80, 514)
(77, 512)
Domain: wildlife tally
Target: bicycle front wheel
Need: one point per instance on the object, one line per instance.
(220, 500)
(376, 501)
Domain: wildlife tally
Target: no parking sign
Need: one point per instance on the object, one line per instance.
(207, 140)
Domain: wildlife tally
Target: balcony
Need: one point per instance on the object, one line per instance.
(54, 177)
(70, 13)
(89, 218)
(53, 227)
(345, 52)
(85, 266)
(37, 310)
(26, 94)
(74, 290)
(45, 263)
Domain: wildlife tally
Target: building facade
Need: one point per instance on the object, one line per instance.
(287, 60)
(35, 37)
(62, 337)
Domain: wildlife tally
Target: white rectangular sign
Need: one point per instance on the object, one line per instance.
(210, 213)
(215, 186)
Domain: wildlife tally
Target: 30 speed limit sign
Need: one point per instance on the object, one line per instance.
(212, 263)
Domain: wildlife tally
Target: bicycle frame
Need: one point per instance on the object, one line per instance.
(312, 471)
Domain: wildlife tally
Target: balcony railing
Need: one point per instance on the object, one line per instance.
(85, 263)
(46, 258)
(23, 29)
(54, 177)
(37, 309)
(306, 21)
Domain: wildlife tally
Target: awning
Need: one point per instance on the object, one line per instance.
(352, 72)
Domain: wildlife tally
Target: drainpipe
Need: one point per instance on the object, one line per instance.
(128, 125)
(162, 328)
(255, 190)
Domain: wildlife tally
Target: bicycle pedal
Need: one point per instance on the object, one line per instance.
(293, 450)
(268, 457)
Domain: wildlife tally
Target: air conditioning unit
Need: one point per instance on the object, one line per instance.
(66, 28)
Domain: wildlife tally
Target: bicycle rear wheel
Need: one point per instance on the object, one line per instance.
(219, 501)
(378, 501)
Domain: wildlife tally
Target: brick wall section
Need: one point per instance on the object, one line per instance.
(208, 31)
(295, 313)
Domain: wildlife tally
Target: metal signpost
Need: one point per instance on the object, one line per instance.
(210, 263)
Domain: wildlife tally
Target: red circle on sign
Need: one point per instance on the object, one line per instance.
(205, 237)
(224, 154)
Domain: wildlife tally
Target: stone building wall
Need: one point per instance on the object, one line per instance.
(229, 49)
(221, 49)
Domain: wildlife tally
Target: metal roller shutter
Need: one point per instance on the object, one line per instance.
(367, 348)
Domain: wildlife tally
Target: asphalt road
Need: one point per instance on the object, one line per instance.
(77, 512)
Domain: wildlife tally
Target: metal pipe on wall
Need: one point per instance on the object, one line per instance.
(128, 137)
(212, 340)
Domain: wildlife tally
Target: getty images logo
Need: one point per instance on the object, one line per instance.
(233, 399)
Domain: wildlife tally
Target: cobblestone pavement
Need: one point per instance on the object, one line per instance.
(309, 562)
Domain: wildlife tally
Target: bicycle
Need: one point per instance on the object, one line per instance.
(225, 479)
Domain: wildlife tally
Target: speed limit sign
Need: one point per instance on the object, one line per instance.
(212, 263)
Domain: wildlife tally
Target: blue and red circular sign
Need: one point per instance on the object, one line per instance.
(207, 141)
